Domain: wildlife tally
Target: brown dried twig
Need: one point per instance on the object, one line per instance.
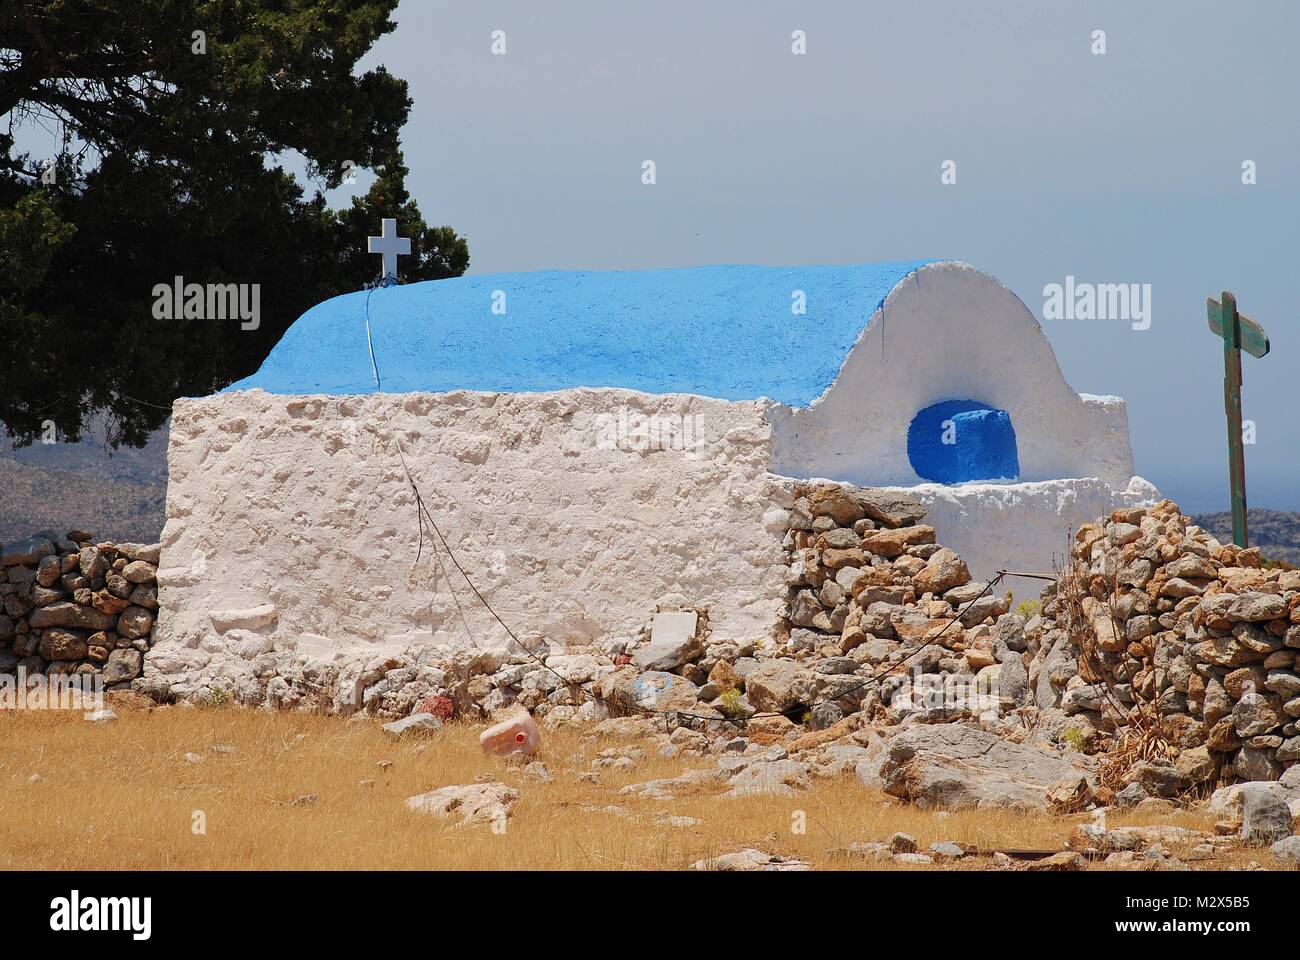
(1140, 734)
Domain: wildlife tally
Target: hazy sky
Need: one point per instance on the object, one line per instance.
(1119, 168)
(1122, 168)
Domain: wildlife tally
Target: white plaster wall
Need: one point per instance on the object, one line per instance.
(951, 332)
(1021, 527)
(291, 525)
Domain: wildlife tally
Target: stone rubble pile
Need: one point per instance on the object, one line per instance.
(1200, 631)
(74, 606)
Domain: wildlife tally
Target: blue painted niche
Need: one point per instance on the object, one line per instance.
(981, 443)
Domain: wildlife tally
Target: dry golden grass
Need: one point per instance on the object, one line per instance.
(123, 796)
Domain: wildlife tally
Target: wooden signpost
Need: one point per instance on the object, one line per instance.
(1239, 333)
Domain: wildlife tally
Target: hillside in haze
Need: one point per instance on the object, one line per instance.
(115, 494)
(1275, 532)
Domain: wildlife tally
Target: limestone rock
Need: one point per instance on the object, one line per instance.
(490, 803)
(1158, 778)
(138, 571)
(1252, 763)
(956, 767)
(749, 860)
(1256, 607)
(836, 502)
(1265, 815)
(1131, 795)
(780, 685)
(93, 563)
(826, 715)
(148, 552)
(839, 759)
(117, 584)
(840, 539)
(250, 618)
(71, 615)
(1193, 566)
(123, 665)
(1012, 681)
(1254, 715)
(893, 543)
(946, 850)
(1065, 860)
(839, 559)
(778, 777)
(416, 723)
(105, 602)
(890, 508)
(536, 770)
(654, 690)
(673, 642)
(1196, 765)
(135, 622)
(29, 552)
(1287, 851)
(49, 571)
(943, 571)
(58, 644)
(1178, 588)
(145, 595)
(1285, 683)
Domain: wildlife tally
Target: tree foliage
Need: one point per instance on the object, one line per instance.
(174, 121)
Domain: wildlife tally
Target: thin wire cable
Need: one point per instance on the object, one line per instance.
(370, 344)
(145, 403)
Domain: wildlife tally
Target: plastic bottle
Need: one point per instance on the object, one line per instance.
(517, 734)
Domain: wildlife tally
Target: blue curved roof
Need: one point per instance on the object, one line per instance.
(723, 331)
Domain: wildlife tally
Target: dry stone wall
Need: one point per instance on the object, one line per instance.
(75, 606)
(864, 570)
(1159, 614)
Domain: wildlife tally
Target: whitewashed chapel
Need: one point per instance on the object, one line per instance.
(596, 446)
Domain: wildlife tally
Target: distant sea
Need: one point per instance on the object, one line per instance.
(1203, 491)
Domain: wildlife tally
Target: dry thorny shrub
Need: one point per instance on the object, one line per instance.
(1140, 731)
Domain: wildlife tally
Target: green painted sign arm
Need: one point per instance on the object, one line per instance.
(1252, 337)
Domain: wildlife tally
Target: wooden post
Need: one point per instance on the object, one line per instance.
(1232, 407)
(1239, 332)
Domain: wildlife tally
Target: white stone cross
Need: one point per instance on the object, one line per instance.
(390, 245)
